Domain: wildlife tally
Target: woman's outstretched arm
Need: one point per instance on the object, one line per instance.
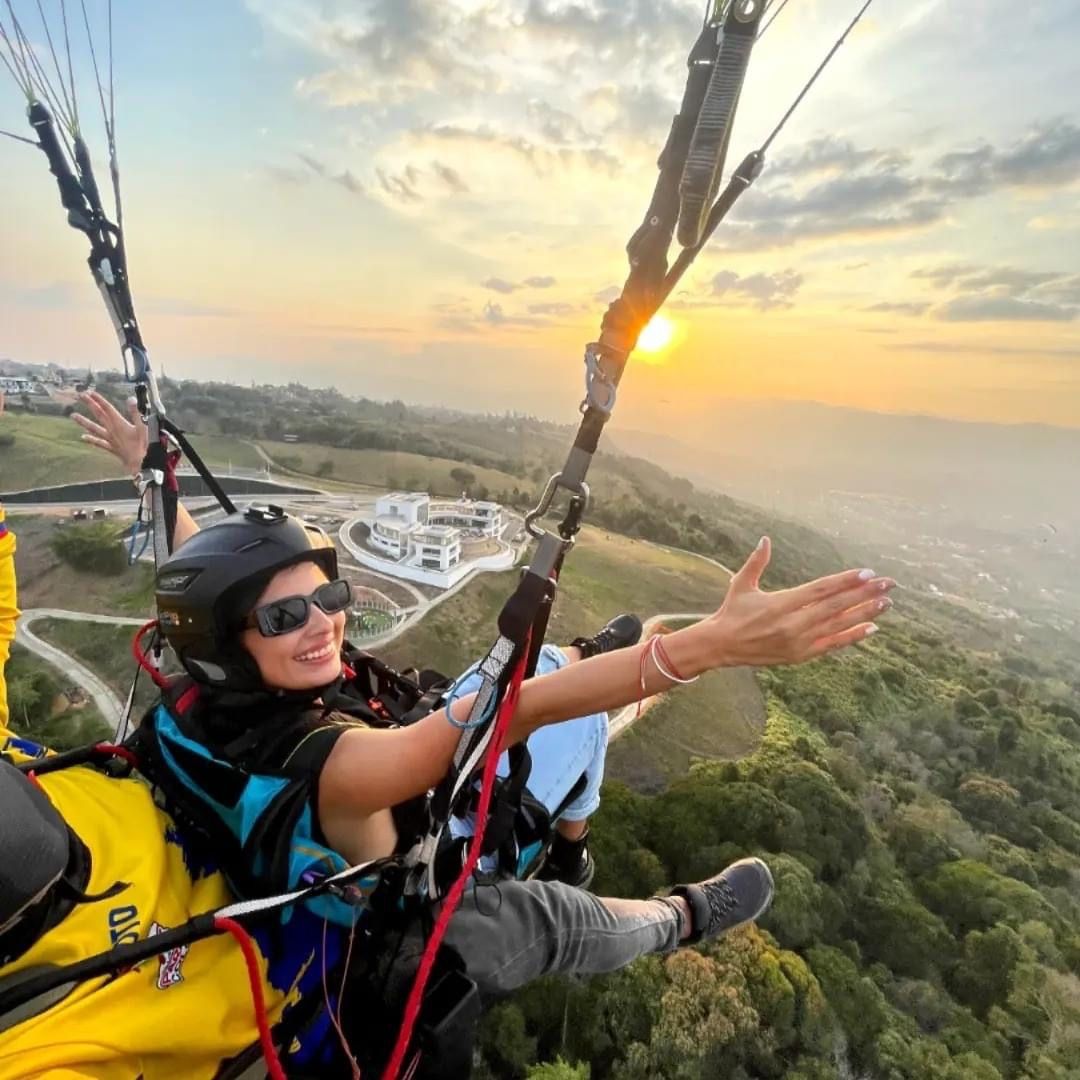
(372, 769)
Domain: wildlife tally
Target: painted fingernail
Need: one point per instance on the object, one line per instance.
(884, 605)
(886, 585)
(871, 629)
(866, 575)
(761, 543)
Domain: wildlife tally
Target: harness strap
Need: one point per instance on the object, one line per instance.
(200, 466)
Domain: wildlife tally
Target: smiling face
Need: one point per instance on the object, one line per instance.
(309, 656)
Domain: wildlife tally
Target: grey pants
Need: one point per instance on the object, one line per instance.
(517, 931)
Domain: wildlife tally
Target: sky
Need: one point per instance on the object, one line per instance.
(430, 201)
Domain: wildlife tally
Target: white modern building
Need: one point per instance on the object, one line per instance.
(403, 528)
(471, 515)
(417, 532)
(432, 542)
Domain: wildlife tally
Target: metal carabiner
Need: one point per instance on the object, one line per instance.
(548, 497)
(597, 381)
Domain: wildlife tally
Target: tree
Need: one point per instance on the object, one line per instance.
(559, 1070)
(969, 895)
(505, 1042)
(983, 977)
(796, 915)
(464, 478)
(835, 830)
(858, 1004)
(326, 468)
(94, 548)
(896, 930)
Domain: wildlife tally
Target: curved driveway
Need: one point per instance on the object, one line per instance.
(109, 705)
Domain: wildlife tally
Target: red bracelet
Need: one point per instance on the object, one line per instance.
(672, 671)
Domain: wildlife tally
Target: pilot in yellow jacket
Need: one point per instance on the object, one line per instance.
(178, 1015)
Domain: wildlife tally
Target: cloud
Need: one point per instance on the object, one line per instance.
(555, 125)
(316, 169)
(501, 285)
(765, 291)
(1045, 156)
(544, 160)
(402, 186)
(828, 154)
(608, 295)
(316, 166)
(450, 177)
(556, 309)
(1062, 352)
(1003, 293)
(829, 187)
(900, 307)
(1002, 309)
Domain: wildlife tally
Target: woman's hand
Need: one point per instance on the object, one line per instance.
(125, 440)
(760, 629)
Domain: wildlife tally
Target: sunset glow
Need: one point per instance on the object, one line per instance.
(657, 335)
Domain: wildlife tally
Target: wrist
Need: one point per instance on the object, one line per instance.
(697, 649)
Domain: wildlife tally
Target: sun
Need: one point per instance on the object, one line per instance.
(657, 335)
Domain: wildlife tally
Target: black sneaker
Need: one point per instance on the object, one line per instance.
(568, 861)
(737, 895)
(621, 632)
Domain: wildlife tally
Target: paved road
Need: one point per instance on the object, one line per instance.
(109, 705)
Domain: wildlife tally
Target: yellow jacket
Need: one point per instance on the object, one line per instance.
(176, 1016)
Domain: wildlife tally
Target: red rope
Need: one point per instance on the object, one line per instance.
(118, 751)
(266, 1039)
(507, 708)
(140, 655)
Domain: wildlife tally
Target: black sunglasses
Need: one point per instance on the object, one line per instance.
(291, 612)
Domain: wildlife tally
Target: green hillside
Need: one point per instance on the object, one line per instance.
(49, 450)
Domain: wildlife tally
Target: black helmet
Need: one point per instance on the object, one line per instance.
(210, 583)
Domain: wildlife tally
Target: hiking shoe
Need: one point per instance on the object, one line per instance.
(737, 895)
(569, 862)
(621, 632)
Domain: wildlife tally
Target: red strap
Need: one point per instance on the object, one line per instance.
(507, 708)
(266, 1038)
(141, 658)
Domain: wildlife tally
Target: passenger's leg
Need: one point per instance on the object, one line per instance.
(561, 754)
(515, 932)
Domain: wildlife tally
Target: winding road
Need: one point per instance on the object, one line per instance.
(108, 704)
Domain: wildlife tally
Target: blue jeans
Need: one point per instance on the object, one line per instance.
(561, 754)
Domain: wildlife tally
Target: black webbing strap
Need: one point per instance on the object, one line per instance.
(112, 962)
(199, 465)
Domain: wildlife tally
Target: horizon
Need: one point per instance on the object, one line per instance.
(383, 176)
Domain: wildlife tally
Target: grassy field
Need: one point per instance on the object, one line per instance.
(49, 450)
(105, 649)
(385, 468)
(45, 581)
(720, 718)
